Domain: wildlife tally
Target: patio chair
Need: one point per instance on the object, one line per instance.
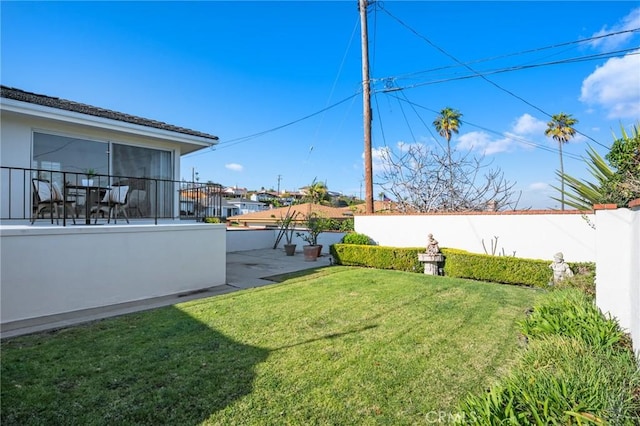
(115, 200)
(137, 202)
(48, 195)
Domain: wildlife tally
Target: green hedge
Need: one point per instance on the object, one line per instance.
(458, 263)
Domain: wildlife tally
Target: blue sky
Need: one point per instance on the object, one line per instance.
(250, 72)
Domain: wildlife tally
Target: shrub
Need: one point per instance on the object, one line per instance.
(578, 369)
(459, 264)
(561, 380)
(399, 259)
(572, 313)
(212, 220)
(356, 238)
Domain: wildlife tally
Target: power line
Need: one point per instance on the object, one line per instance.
(236, 141)
(390, 87)
(508, 55)
(512, 137)
(509, 92)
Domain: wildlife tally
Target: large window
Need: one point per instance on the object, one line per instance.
(67, 154)
(122, 163)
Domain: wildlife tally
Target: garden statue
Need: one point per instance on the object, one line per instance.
(432, 245)
(432, 258)
(560, 268)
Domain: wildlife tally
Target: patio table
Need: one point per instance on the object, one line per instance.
(89, 195)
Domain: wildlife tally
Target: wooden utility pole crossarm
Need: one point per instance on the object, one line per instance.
(366, 105)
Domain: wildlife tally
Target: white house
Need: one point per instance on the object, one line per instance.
(51, 268)
(245, 206)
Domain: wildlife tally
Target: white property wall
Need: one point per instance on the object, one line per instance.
(618, 267)
(533, 235)
(51, 270)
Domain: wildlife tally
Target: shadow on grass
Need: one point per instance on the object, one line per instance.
(316, 272)
(159, 367)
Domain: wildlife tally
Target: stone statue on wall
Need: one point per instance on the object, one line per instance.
(560, 268)
(432, 245)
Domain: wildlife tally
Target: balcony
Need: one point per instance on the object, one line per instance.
(85, 200)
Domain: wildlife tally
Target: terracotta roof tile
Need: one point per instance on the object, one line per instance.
(273, 215)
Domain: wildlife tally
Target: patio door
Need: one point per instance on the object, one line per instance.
(156, 167)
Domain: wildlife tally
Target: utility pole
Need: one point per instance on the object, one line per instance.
(279, 177)
(366, 106)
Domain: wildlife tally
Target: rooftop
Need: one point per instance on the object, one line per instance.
(64, 104)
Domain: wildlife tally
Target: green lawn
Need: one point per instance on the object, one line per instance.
(339, 346)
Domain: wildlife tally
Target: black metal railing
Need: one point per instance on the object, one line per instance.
(76, 196)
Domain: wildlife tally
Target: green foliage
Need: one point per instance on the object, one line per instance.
(315, 224)
(379, 257)
(502, 269)
(561, 381)
(212, 220)
(356, 238)
(578, 369)
(459, 264)
(624, 154)
(571, 313)
(617, 183)
(345, 225)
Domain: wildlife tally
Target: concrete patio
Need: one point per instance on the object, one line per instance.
(245, 270)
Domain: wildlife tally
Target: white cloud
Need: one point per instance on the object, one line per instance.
(615, 86)
(538, 186)
(629, 22)
(234, 166)
(523, 127)
(527, 125)
(378, 156)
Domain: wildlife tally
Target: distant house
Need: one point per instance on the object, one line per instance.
(264, 196)
(235, 192)
(246, 206)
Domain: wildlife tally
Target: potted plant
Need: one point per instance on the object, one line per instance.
(315, 225)
(287, 228)
(89, 180)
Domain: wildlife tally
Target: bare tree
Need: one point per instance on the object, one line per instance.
(425, 180)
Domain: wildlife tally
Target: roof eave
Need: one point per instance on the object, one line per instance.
(189, 143)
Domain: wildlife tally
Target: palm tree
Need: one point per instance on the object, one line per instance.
(446, 123)
(317, 192)
(560, 129)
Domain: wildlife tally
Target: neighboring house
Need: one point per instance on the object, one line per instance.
(205, 201)
(49, 269)
(246, 206)
(235, 192)
(264, 196)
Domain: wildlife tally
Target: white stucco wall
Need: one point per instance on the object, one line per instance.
(618, 267)
(530, 235)
(242, 239)
(51, 270)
